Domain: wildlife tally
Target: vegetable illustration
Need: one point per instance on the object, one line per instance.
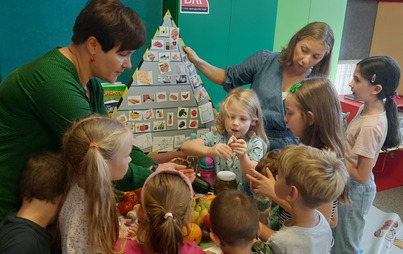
(182, 112)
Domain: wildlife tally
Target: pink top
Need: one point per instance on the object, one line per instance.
(132, 247)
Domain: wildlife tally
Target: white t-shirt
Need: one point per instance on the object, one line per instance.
(301, 240)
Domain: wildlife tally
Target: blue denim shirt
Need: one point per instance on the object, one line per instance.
(265, 74)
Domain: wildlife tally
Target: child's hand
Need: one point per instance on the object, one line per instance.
(239, 147)
(128, 229)
(221, 150)
(261, 184)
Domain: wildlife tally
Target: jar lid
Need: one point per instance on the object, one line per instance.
(226, 175)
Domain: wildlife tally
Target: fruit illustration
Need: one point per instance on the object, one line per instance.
(193, 124)
(134, 115)
(142, 127)
(194, 112)
(170, 120)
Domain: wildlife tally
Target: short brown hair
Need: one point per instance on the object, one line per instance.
(112, 23)
(234, 218)
(44, 177)
(269, 160)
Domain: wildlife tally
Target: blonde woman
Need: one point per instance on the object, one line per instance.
(238, 139)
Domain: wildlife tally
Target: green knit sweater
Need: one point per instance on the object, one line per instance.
(37, 103)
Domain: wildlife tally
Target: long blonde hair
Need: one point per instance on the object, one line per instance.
(166, 202)
(246, 98)
(88, 164)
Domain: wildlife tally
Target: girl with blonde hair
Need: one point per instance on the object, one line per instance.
(238, 140)
(272, 74)
(165, 211)
(97, 151)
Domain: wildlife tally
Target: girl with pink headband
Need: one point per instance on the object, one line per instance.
(165, 210)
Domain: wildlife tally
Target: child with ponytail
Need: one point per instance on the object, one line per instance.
(165, 211)
(374, 127)
(97, 151)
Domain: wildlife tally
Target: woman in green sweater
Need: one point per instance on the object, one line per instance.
(41, 98)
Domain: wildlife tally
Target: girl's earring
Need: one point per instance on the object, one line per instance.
(92, 59)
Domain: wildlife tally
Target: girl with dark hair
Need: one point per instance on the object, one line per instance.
(374, 127)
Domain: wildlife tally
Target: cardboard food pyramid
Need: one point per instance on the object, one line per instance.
(165, 100)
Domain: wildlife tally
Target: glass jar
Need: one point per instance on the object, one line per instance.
(225, 180)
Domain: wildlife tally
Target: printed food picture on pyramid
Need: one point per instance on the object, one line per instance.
(166, 100)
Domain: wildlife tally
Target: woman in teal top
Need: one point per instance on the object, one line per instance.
(41, 98)
(272, 74)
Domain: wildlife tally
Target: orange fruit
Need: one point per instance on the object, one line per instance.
(209, 197)
(194, 235)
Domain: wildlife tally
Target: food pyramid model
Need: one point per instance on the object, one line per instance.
(165, 101)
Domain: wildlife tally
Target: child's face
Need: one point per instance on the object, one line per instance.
(118, 166)
(281, 188)
(360, 86)
(237, 121)
(294, 116)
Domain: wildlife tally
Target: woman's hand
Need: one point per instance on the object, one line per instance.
(261, 184)
(188, 172)
(192, 56)
(221, 150)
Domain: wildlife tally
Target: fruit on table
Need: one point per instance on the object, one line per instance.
(195, 233)
(200, 208)
(206, 221)
(125, 207)
(132, 197)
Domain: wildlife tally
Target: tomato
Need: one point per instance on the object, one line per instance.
(138, 193)
(206, 221)
(132, 197)
(125, 207)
